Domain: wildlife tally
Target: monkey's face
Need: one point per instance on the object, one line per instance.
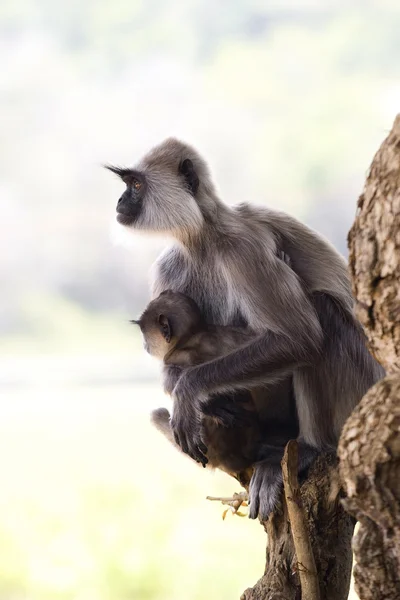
(157, 333)
(154, 342)
(162, 193)
(130, 204)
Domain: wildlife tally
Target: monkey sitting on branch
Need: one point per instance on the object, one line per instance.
(229, 260)
(237, 431)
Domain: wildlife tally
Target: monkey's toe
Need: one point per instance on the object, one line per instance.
(196, 449)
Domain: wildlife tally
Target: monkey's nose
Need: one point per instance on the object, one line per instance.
(127, 209)
(124, 206)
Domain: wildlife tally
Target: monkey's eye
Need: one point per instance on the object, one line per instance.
(137, 185)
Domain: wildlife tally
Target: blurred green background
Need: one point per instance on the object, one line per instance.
(289, 101)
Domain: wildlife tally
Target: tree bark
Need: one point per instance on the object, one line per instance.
(374, 244)
(330, 530)
(306, 568)
(369, 447)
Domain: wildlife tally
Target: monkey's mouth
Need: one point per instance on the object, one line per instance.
(125, 219)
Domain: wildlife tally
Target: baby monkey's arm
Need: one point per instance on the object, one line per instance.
(213, 342)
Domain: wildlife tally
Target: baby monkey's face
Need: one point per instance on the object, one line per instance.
(156, 330)
(167, 320)
(154, 341)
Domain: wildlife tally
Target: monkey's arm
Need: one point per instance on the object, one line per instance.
(204, 346)
(274, 301)
(171, 376)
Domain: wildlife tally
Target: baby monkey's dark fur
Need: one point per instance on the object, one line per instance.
(174, 330)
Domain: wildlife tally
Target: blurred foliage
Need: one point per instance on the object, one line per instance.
(288, 100)
(86, 514)
(54, 324)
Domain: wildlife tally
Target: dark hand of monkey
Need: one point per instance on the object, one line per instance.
(186, 421)
(171, 373)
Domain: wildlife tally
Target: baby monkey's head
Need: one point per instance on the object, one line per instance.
(168, 321)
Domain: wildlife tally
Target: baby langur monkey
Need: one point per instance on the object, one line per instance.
(236, 435)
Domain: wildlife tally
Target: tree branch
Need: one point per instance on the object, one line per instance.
(301, 539)
(330, 531)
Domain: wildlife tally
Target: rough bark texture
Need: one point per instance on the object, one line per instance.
(369, 448)
(370, 468)
(330, 530)
(374, 244)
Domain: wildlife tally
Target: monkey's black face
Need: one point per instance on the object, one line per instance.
(130, 204)
(163, 192)
(128, 207)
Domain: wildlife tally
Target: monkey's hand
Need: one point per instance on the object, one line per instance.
(186, 421)
(171, 375)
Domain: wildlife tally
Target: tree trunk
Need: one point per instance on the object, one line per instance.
(374, 243)
(369, 448)
(330, 530)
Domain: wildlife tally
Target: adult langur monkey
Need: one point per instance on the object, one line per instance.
(228, 259)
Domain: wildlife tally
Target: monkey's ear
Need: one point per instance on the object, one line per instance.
(165, 328)
(186, 168)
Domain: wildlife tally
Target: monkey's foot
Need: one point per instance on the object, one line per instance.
(234, 503)
(265, 490)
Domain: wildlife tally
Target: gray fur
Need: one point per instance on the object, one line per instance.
(229, 261)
